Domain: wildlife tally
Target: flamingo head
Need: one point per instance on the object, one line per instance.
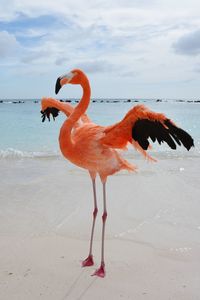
(76, 76)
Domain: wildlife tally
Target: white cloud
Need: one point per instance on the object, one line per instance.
(96, 66)
(188, 44)
(124, 38)
(7, 10)
(8, 44)
(35, 57)
(32, 33)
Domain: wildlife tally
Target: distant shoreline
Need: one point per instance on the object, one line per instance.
(102, 100)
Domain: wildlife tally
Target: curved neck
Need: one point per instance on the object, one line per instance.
(80, 109)
(66, 142)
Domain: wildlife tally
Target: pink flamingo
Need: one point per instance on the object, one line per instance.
(93, 147)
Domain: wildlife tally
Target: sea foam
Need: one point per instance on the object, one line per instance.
(12, 153)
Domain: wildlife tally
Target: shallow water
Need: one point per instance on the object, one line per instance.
(24, 135)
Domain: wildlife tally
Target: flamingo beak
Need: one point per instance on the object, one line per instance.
(58, 86)
(63, 80)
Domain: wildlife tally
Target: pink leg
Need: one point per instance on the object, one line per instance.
(89, 260)
(101, 271)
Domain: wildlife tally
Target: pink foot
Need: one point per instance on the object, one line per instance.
(88, 261)
(100, 272)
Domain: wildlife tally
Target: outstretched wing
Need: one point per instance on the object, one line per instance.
(51, 106)
(165, 131)
(139, 125)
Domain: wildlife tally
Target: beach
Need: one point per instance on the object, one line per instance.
(105, 86)
(152, 247)
(152, 232)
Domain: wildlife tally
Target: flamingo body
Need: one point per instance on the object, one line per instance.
(94, 147)
(90, 153)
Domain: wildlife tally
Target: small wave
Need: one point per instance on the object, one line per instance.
(11, 153)
(163, 153)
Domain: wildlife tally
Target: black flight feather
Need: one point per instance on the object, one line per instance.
(49, 110)
(180, 135)
(144, 129)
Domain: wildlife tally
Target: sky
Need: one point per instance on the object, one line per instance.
(127, 48)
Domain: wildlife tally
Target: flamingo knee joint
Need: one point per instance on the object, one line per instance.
(104, 216)
(95, 212)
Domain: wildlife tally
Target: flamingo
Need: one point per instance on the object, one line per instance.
(94, 147)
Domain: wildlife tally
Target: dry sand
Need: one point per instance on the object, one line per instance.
(49, 268)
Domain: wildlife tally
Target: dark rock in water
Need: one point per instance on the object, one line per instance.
(36, 101)
(1, 101)
(129, 100)
(94, 101)
(197, 101)
(135, 100)
(190, 101)
(101, 101)
(61, 100)
(158, 100)
(68, 100)
(180, 101)
(18, 102)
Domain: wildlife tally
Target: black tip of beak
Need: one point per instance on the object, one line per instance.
(58, 86)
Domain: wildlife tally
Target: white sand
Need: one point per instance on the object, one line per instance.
(152, 233)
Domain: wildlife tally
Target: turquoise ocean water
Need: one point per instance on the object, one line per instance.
(24, 135)
(42, 193)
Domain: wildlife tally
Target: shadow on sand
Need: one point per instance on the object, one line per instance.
(74, 284)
